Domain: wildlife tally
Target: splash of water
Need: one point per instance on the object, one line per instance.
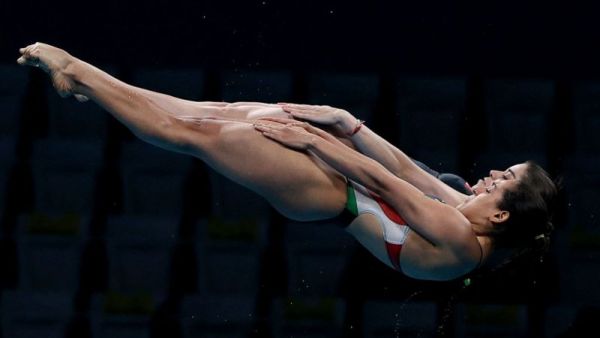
(399, 321)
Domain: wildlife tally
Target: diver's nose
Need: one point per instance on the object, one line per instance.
(495, 174)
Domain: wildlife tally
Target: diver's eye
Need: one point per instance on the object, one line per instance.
(487, 190)
(504, 177)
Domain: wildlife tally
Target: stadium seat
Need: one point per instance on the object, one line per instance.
(27, 314)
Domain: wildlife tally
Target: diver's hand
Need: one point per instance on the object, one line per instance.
(293, 134)
(340, 119)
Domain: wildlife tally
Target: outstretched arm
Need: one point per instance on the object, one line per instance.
(377, 148)
(440, 224)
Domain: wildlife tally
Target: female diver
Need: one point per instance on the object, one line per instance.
(408, 219)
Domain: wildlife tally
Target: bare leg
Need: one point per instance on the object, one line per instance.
(300, 186)
(191, 110)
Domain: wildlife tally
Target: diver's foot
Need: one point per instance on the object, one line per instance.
(54, 61)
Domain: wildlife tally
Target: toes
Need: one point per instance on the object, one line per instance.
(27, 61)
(25, 51)
(29, 56)
(31, 49)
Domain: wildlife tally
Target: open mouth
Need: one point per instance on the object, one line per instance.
(478, 186)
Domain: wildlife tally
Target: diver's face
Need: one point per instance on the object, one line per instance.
(513, 173)
(482, 208)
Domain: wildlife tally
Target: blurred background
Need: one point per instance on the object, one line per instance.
(105, 236)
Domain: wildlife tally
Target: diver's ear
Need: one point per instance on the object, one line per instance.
(500, 216)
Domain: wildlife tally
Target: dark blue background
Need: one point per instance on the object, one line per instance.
(478, 43)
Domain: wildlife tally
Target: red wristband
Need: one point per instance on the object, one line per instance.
(359, 124)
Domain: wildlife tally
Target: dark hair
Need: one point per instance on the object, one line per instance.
(528, 229)
(456, 182)
(530, 204)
